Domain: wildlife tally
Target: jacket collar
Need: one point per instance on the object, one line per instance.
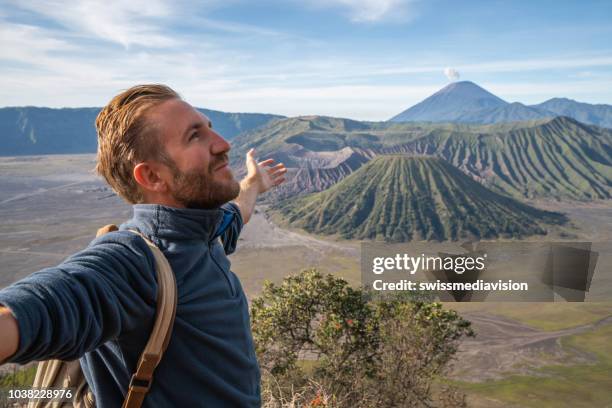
(170, 223)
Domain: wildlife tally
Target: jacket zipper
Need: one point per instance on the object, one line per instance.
(227, 277)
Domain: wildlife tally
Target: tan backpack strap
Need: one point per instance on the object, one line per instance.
(162, 330)
(105, 229)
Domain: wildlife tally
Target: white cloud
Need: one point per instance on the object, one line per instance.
(42, 68)
(134, 22)
(370, 11)
(24, 43)
(515, 65)
(376, 102)
(536, 64)
(67, 65)
(232, 27)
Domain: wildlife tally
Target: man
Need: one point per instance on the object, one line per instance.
(162, 156)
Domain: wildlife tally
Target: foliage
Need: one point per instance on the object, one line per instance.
(18, 377)
(15, 378)
(322, 343)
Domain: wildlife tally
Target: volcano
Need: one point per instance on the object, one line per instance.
(401, 198)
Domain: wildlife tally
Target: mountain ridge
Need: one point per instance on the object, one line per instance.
(459, 102)
(401, 198)
(450, 103)
(556, 158)
(595, 114)
(39, 130)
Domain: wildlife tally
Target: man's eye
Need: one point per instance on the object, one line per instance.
(193, 136)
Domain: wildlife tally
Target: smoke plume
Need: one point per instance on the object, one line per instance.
(451, 74)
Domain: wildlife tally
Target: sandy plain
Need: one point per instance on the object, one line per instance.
(51, 207)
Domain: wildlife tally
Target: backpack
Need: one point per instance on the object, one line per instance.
(68, 374)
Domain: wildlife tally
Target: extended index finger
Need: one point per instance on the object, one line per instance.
(266, 162)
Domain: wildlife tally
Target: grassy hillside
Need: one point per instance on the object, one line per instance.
(314, 133)
(560, 158)
(400, 198)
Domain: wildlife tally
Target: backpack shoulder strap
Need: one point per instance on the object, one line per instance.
(159, 338)
(162, 329)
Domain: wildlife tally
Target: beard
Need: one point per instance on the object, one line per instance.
(195, 189)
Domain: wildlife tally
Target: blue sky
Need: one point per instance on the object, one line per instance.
(361, 59)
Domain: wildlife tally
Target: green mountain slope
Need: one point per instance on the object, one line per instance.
(560, 158)
(550, 158)
(327, 134)
(401, 198)
(314, 133)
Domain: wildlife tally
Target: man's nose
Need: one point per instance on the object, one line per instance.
(219, 145)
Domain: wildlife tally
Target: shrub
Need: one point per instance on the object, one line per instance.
(322, 343)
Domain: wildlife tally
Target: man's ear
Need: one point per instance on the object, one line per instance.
(149, 176)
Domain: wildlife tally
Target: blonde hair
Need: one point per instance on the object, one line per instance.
(126, 138)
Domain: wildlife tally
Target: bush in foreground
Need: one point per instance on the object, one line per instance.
(321, 343)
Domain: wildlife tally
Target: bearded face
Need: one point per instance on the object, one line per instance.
(205, 188)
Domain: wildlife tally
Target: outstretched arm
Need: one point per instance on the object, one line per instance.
(10, 334)
(65, 311)
(260, 178)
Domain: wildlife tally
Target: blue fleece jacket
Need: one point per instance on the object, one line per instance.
(99, 305)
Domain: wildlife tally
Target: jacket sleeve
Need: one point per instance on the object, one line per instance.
(65, 311)
(230, 227)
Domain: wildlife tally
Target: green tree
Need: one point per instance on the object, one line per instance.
(322, 343)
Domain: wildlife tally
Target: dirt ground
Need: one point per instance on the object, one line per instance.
(504, 346)
(51, 206)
